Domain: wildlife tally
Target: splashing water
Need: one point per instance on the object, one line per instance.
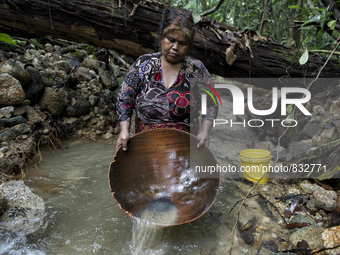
(147, 233)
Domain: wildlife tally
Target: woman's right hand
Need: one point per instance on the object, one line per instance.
(122, 140)
(124, 135)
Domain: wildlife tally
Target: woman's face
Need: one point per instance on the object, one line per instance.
(174, 46)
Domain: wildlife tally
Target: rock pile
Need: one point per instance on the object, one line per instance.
(52, 93)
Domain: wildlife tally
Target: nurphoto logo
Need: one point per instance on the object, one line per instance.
(238, 104)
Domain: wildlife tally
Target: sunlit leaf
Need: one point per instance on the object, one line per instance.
(314, 19)
(196, 17)
(7, 39)
(304, 58)
(289, 118)
(331, 24)
(294, 7)
(289, 109)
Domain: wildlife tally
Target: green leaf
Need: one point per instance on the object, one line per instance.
(314, 19)
(196, 17)
(289, 109)
(7, 39)
(331, 24)
(323, 18)
(304, 58)
(319, 39)
(191, 4)
(289, 118)
(294, 130)
(294, 7)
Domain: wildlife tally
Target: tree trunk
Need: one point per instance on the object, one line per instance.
(110, 26)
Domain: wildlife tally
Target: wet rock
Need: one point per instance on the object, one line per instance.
(311, 234)
(82, 74)
(325, 199)
(2, 58)
(93, 100)
(318, 110)
(53, 102)
(335, 107)
(71, 120)
(25, 209)
(265, 145)
(308, 187)
(107, 77)
(19, 110)
(311, 205)
(57, 48)
(299, 148)
(3, 204)
(33, 116)
(11, 92)
(327, 135)
(12, 121)
(62, 65)
(282, 253)
(108, 135)
(15, 71)
(331, 238)
(49, 47)
(115, 69)
(48, 82)
(301, 219)
(80, 107)
(14, 160)
(7, 111)
(36, 87)
(311, 129)
(27, 56)
(13, 132)
(92, 64)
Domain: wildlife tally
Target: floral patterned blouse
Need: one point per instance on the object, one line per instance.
(143, 89)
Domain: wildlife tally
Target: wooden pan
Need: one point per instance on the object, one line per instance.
(159, 166)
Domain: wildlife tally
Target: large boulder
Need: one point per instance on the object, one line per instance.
(53, 101)
(25, 209)
(11, 92)
(79, 106)
(15, 70)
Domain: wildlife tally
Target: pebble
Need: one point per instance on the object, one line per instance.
(325, 199)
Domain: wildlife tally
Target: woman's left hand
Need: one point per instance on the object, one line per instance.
(204, 139)
(204, 134)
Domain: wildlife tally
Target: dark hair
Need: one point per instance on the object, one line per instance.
(176, 19)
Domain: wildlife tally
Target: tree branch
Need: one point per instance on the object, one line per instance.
(216, 7)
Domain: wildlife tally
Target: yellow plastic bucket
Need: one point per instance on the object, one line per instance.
(255, 164)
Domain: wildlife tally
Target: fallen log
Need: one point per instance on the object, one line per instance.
(109, 26)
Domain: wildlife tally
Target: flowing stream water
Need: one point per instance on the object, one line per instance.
(82, 217)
